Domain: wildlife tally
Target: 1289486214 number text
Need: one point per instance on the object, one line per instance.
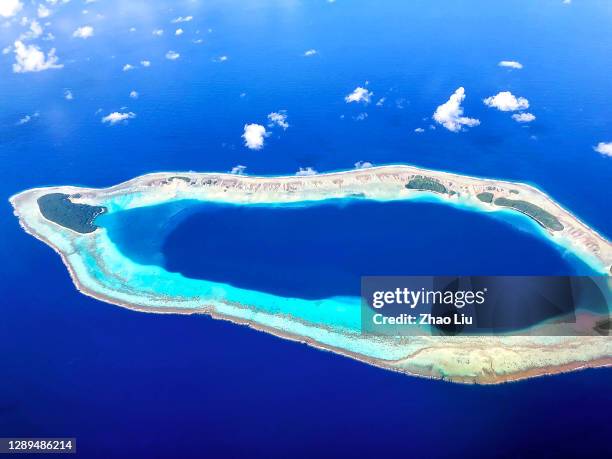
(37, 445)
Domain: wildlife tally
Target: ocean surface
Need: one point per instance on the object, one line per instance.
(129, 384)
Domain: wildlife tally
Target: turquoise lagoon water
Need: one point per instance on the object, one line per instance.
(307, 259)
(319, 250)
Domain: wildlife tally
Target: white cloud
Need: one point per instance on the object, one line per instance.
(238, 170)
(605, 148)
(523, 117)
(179, 32)
(128, 67)
(145, 63)
(34, 31)
(310, 52)
(511, 64)
(278, 119)
(68, 94)
(359, 95)
(172, 55)
(27, 118)
(29, 58)
(450, 113)
(567, 2)
(117, 117)
(158, 32)
(9, 8)
(221, 59)
(305, 171)
(381, 102)
(43, 11)
(419, 130)
(506, 102)
(182, 19)
(363, 164)
(134, 94)
(83, 32)
(254, 135)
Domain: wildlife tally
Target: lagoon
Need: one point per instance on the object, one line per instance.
(320, 250)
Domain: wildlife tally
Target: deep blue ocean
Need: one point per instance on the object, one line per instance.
(129, 384)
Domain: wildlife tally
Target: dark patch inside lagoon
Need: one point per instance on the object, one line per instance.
(318, 251)
(58, 208)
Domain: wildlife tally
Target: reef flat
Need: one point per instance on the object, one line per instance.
(100, 270)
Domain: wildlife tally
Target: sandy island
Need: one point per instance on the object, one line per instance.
(63, 217)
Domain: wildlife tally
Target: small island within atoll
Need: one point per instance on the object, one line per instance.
(64, 218)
